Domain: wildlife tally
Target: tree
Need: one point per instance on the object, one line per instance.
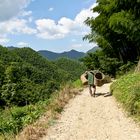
(117, 28)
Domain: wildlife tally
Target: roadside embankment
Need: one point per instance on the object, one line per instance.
(127, 91)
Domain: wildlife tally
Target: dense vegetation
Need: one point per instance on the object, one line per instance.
(71, 66)
(127, 91)
(110, 66)
(27, 79)
(116, 30)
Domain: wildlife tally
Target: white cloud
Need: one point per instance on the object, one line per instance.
(15, 26)
(25, 13)
(10, 23)
(4, 40)
(82, 16)
(11, 8)
(51, 9)
(23, 44)
(50, 29)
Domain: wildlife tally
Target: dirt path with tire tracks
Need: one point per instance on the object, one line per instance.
(89, 118)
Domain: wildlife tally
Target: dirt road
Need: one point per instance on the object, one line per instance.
(89, 118)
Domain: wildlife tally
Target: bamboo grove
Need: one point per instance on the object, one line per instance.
(116, 29)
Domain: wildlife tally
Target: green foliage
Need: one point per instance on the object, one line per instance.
(7, 56)
(91, 60)
(26, 77)
(73, 67)
(2, 72)
(116, 29)
(29, 78)
(77, 84)
(122, 22)
(14, 119)
(126, 68)
(99, 61)
(127, 91)
(27, 92)
(44, 67)
(110, 66)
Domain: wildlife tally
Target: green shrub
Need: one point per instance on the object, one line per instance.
(77, 83)
(126, 68)
(13, 120)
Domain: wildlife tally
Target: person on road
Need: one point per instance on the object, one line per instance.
(92, 86)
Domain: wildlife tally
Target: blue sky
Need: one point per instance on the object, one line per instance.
(54, 25)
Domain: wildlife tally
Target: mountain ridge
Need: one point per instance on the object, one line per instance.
(72, 54)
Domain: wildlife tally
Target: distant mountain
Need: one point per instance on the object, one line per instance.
(93, 49)
(11, 47)
(73, 54)
(48, 54)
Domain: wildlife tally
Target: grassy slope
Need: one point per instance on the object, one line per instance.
(14, 119)
(127, 91)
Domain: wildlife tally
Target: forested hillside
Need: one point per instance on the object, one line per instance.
(73, 67)
(27, 78)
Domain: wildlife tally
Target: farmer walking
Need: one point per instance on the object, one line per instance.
(91, 84)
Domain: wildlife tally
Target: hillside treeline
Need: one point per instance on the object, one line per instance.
(29, 84)
(26, 77)
(116, 30)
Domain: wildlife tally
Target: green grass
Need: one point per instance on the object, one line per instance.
(127, 91)
(77, 84)
(14, 119)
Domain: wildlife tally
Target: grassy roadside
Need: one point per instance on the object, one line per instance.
(127, 91)
(35, 119)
